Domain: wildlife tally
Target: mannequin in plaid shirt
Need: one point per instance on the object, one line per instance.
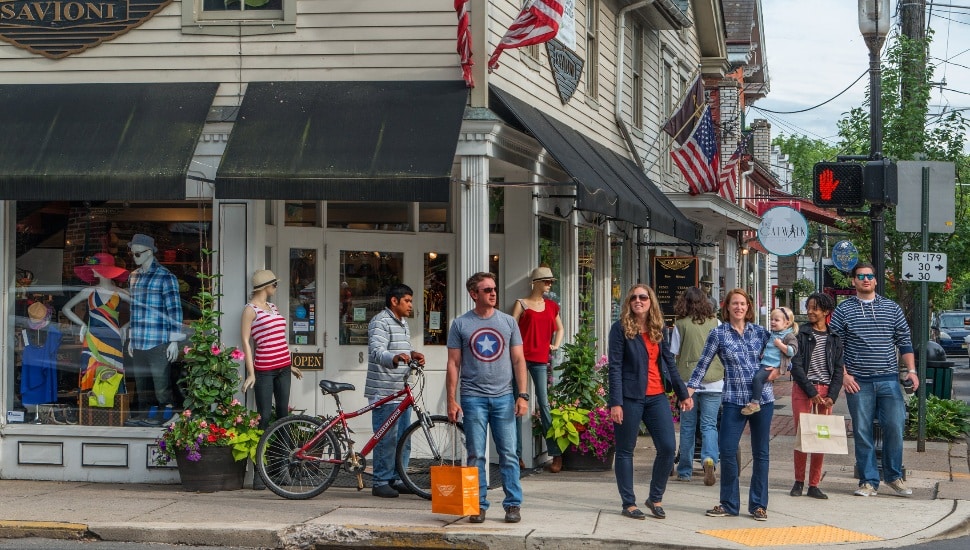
(155, 330)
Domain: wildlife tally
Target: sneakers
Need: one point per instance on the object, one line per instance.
(480, 518)
(796, 489)
(760, 514)
(384, 491)
(718, 512)
(401, 488)
(513, 514)
(750, 409)
(865, 490)
(899, 487)
(709, 477)
(683, 479)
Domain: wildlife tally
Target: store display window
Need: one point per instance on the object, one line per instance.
(71, 315)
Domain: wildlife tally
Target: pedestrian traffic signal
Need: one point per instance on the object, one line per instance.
(838, 185)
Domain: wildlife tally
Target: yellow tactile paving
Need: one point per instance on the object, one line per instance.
(781, 536)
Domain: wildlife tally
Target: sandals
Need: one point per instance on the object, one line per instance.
(634, 513)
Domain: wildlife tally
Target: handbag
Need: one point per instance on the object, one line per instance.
(821, 433)
(454, 488)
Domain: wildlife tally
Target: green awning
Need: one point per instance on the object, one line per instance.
(352, 141)
(99, 141)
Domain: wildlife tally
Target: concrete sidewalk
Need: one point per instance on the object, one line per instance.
(565, 510)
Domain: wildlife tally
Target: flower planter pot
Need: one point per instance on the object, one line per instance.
(215, 471)
(575, 461)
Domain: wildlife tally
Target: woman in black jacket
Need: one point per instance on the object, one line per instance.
(640, 366)
(817, 371)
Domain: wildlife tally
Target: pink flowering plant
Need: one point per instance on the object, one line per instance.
(580, 418)
(212, 416)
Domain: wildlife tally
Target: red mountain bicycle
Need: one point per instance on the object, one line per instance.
(299, 456)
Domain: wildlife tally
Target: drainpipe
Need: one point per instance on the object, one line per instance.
(617, 99)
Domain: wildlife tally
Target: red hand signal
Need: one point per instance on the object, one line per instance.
(827, 184)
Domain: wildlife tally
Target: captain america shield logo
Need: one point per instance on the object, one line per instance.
(487, 344)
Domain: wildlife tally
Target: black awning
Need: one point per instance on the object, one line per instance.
(354, 141)
(99, 141)
(606, 182)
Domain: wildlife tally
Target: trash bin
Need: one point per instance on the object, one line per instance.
(939, 379)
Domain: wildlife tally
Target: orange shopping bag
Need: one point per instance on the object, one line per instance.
(454, 490)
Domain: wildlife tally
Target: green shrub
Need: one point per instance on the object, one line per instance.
(946, 419)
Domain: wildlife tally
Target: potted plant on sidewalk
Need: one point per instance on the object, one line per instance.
(581, 422)
(215, 434)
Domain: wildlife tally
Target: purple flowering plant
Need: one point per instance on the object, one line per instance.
(580, 418)
(212, 416)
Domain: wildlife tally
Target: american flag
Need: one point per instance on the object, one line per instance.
(464, 42)
(537, 23)
(698, 158)
(728, 178)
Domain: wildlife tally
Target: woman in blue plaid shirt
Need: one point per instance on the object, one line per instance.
(738, 342)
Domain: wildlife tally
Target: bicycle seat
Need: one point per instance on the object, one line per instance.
(335, 387)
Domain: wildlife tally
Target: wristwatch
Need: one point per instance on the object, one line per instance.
(523, 396)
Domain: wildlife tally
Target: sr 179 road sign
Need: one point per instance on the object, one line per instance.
(924, 267)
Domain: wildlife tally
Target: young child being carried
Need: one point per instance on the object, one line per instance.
(779, 350)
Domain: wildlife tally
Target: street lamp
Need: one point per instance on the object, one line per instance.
(874, 26)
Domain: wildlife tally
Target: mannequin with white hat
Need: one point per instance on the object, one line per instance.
(542, 333)
(268, 366)
(156, 330)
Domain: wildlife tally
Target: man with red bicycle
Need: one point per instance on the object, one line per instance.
(485, 355)
(389, 345)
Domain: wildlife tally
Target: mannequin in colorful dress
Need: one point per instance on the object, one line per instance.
(102, 334)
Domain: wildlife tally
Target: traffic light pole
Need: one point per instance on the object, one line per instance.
(876, 219)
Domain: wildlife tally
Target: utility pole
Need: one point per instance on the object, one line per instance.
(913, 22)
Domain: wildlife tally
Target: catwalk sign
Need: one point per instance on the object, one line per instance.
(783, 231)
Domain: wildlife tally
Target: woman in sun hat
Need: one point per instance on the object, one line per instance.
(542, 333)
(102, 334)
(268, 365)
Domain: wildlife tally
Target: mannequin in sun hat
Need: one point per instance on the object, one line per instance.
(268, 367)
(102, 334)
(41, 339)
(542, 333)
(156, 330)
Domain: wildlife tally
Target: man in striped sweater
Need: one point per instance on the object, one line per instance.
(389, 345)
(873, 329)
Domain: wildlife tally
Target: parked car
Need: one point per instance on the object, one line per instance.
(950, 329)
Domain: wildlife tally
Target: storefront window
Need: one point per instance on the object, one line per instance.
(73, 270)
(301, 214)
(433, 217)
(587, 270)
(365, 276)
(496, 209)
(550, 253)
(435, 298)
(372, 216)
(303, 296)
(617, 285)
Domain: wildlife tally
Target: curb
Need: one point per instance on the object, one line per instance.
(15, 529)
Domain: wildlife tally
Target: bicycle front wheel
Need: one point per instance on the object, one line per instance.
(421, 447)
(288, 475)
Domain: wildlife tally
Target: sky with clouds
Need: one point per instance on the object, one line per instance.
(814, 51)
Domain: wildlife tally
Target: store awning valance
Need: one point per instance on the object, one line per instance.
(606, 182)
(351, 141)
(99, 141)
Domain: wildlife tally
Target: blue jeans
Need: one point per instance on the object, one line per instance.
(882, 399)
(539, 372)
(497, 413)
(654, 411)
(386, 449)
(706, 405)
(272, 387)
(732, 427)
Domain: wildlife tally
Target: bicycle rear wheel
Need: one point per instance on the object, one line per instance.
(440, 443)
(289, 476)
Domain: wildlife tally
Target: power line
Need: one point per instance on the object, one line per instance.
(833, 98)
